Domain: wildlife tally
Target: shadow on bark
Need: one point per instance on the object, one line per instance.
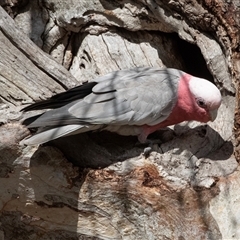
(101, 149)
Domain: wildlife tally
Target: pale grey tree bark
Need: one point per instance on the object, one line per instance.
(99, 185)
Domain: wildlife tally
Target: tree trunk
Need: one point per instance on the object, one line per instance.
(99, 185)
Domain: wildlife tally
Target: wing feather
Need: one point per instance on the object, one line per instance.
(144, 98)
(127, 97)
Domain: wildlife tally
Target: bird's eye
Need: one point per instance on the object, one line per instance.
(201, 103)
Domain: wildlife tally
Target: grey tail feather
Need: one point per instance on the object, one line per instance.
(51, 134)
(30, 120)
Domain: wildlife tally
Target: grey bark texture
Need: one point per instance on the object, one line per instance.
(99, 185)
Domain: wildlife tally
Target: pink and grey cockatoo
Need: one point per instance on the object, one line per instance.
(130, 102)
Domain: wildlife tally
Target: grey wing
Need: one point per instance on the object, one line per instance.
(128, 97)
(137, 97)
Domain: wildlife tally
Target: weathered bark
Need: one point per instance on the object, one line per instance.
(99, 185)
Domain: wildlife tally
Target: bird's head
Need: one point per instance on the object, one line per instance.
(206, 97)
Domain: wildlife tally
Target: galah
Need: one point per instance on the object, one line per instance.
(130, 102)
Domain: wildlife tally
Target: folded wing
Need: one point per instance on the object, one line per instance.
(127, 97)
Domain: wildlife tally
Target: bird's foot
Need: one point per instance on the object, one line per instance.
(147, 151)
(150, 146)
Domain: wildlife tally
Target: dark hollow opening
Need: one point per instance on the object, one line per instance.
(193, 59)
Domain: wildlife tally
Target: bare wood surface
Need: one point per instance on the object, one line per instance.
(99, 185)
(26, 71)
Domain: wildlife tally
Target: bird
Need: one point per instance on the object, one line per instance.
(136, 102)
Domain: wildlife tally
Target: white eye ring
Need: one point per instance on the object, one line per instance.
(201, 103)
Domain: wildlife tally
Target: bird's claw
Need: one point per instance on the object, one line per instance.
(147, 151)
(150, 146)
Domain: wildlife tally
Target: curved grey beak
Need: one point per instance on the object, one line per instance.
(213, 114)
